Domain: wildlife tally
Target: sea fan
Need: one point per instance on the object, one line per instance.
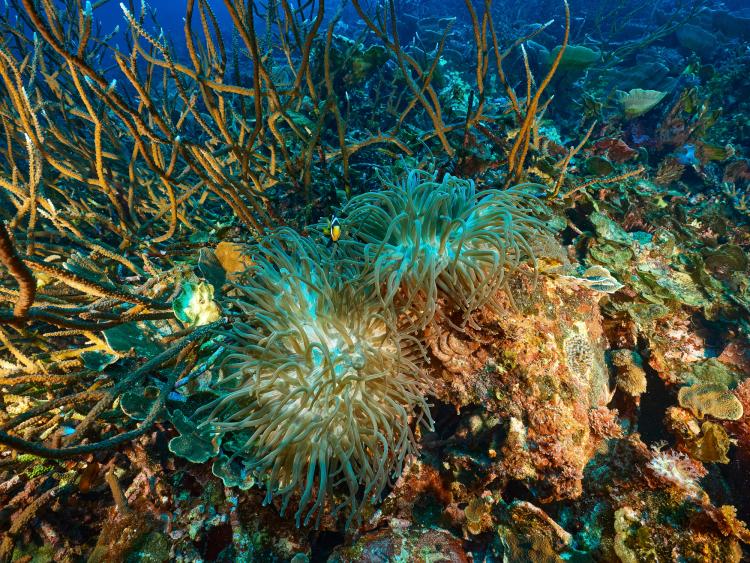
(318, 395)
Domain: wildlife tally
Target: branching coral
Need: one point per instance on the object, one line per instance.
(317, 391)
(424, 238)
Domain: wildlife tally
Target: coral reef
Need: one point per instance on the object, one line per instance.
(541, 369)
(397, 281)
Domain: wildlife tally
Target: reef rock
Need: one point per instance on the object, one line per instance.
(401, 542)
(538, 370)
(696, 39)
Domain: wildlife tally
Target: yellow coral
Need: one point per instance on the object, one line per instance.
(478, 516)
(630, 376)
(233, 258)
(624, 518)
(713, 399)
(712, 445)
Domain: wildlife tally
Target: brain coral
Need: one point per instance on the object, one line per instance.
(423, 238)
(318, 395)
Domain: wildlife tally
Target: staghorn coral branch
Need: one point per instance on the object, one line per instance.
(22, 521)
(566, 161)
(34, 448)
(480, 40)
(340, 123)
(178, 350)
(433, 111)
(38, 314)
(137, 126)
(87, 286)
(608, 180)
(431, 106)
(52, 404)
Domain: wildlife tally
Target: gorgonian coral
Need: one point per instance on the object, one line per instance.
(422, 238)
(318, 394)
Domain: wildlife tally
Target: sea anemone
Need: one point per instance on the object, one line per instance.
(422, 238)
(318, 395)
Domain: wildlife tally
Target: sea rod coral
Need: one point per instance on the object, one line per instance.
(317, 390)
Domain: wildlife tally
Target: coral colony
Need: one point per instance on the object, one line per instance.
(384, 281)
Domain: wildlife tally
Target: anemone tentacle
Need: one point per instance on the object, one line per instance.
(318, 386)
(423, 238)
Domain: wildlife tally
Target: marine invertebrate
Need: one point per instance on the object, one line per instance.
(712, 446)
(22, 274)
(576, 57)
(195, 305)
(741, 428)
(317, 390)
(527, 533)
(713, 399)
(677, 469)
(479, 515)
(615, 149)
(423, 238)
(579, 355)
(631, 378)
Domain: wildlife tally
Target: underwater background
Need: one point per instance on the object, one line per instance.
(375, 281)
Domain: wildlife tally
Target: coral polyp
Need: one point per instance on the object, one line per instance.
(319, 396)
(424, 238)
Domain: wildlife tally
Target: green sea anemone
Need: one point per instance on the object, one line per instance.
(423, 238)
(318, 395)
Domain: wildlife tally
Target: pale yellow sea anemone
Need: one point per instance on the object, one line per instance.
(318, 395)
(424, 238)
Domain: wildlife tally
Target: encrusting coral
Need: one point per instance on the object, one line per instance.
(712, 399)
(427, 237)
(541, 371)
(317, 390)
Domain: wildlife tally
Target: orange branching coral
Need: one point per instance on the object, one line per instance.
(20, 271)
